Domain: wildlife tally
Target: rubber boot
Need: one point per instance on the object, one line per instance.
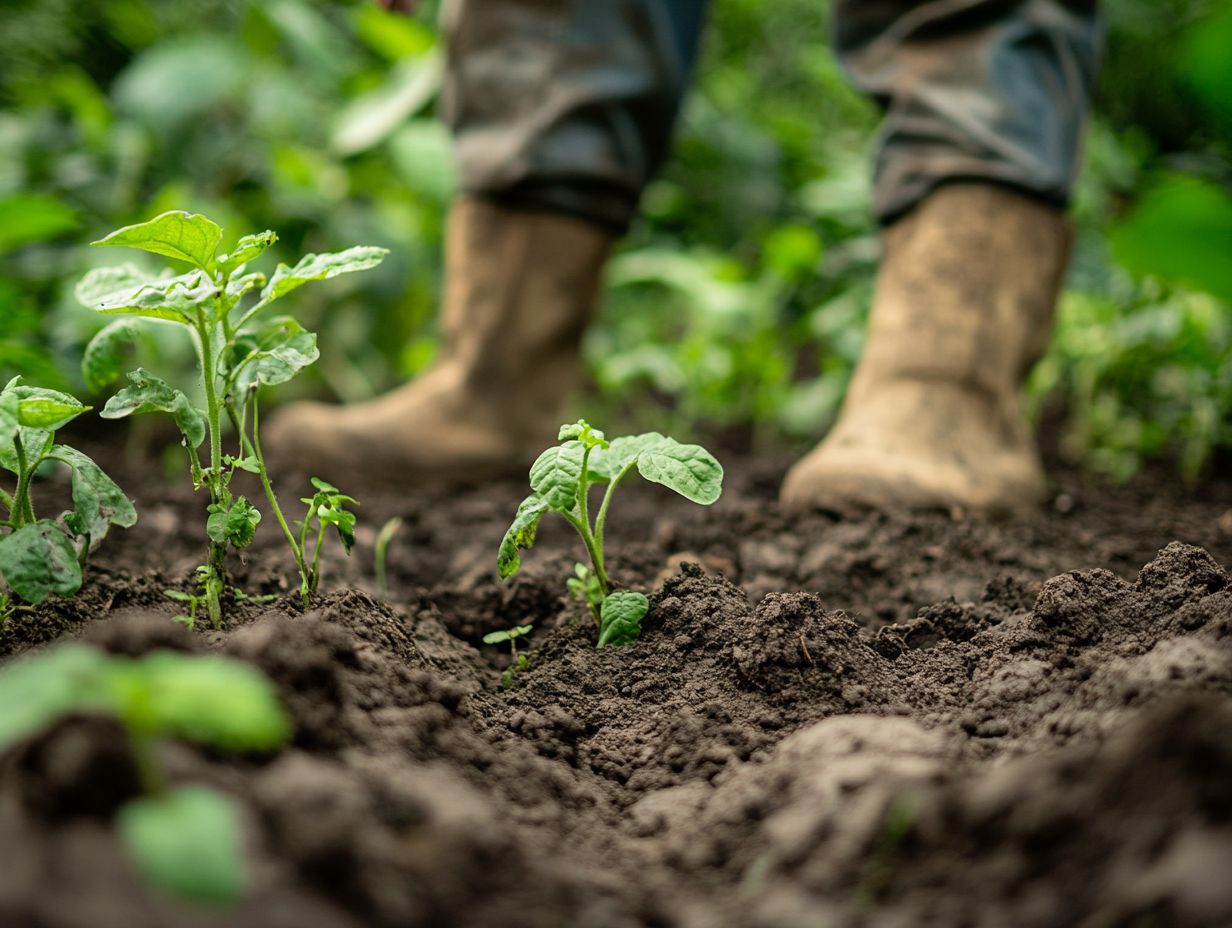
(933, 417)
(520, 288)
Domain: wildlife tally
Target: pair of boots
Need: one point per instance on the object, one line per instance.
(933, 417)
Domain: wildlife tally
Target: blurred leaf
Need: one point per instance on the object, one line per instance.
(369, 119)
(1181, 230)
(180, 78)
(1206, 64)
(33, 217)
(393, 36)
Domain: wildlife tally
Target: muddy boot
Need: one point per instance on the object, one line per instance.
(963, 309)
(520, 287)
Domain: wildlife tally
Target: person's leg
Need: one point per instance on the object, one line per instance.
(561, 112)
(985, 103)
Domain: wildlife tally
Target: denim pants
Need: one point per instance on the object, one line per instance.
(569, 104)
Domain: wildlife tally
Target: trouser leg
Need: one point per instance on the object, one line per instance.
(984, 90)
(566, 105)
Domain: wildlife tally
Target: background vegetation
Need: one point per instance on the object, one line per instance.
(739, 299)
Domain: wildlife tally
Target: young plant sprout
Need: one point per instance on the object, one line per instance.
(516, 661)
(238, 351)
(41, 556)
(380, 554)
(562, 478)
(184, 839)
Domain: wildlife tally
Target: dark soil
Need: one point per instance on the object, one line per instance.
(932, 719)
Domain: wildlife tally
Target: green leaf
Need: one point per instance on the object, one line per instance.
(38, 560)
(103, 281)
(218, 701)
(521, 534)
(103, 359)
(98, 501)
(275, 354)
(247, 248)
(172, 299)
(238, 286)
(235, 526)
(342, 521)
(146, 393)
(607, 463)
(187, 843)
(37, 690)
(690, 470)
(32, 217)
(620, 618)
(555, 474)
(320, 267)
(508, 634)
(39, 408)
(185, 236)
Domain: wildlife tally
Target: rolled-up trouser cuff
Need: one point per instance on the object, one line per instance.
(985, 90)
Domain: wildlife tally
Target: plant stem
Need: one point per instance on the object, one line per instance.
(601, 518)
(297, 548)
(23, 512)
(217, 561)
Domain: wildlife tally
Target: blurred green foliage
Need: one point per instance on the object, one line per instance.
(738, 300)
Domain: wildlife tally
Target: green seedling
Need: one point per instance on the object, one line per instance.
(41, 556)
(517, 661)
(381, 554)
(561, 480)
(183, 839)
(239, 351)
(326, 508)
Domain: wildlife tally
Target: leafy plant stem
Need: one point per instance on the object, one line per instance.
(297, 547)
(219, 495)
(601, 518)
(24, 513)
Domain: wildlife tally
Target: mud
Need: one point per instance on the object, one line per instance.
(933, 719)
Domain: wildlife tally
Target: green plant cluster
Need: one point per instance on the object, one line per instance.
(184, 839)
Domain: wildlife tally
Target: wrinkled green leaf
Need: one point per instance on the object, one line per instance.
(172, 299)
(146, 393)
(36, 690)
(607, 463)
(247, 248)
(235, 526)
(555, 474)
(101, 282)
(185, 236)
(620, 618)
(690, 470)
(320, 267)
(38, 560)
(275, 354)
(98, 501)
(187, 842)
(211, 700)
(104, 359)
(521, 534)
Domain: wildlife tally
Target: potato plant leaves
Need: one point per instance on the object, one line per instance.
(187, 842)
(39, 559)
(320, 267)
(233, 525)
(521, 534)
(102, 362)
(555, 474)
(184, 236)
(247, 248)
(274, 354)
(620, 617)
(147, 393)
(98, 502)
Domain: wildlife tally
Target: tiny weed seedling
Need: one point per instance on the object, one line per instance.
(516, 661)
(238, 351)
(561, 480)
(40, 556)
(380, 554)
(184, 839)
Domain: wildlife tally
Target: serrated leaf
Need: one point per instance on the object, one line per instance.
(185, 236)
(555, 474)
(39, 408)
(102, 281)
(38, 689)
(211, 700)
(690, 470)
(38, 560)
(98, 501)
(103, 361)
(320, 267)
(234, 526)
(187, 842)
(275, 354)
(521, 535)
(620, 617)
(146, 393)
(172, 299)
(247, 248)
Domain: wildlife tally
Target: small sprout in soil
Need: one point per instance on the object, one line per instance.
(41, 556)
(326, 507)
(381, 554)
(184, 839)
(239, 351)
(561, 479)
(517, 661)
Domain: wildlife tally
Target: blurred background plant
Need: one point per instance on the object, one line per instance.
(736, 304)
